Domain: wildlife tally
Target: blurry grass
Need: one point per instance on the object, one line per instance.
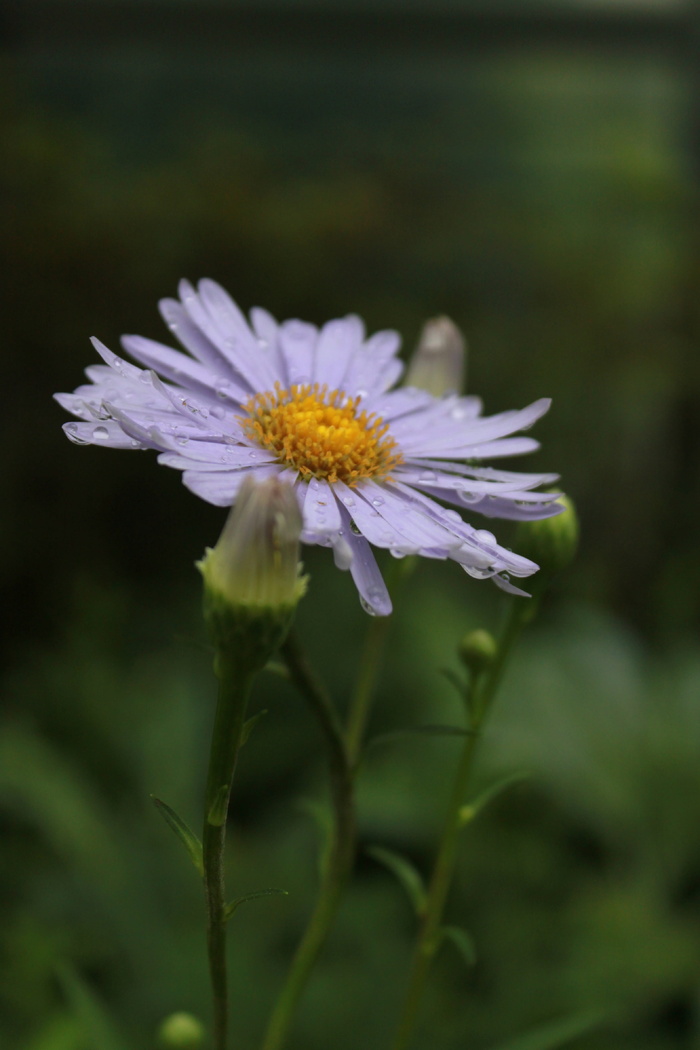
(580, 886)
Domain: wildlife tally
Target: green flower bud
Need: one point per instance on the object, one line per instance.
(181, 1031)
(252, 580)
(551, 542)
(477, 651)
(438, 363)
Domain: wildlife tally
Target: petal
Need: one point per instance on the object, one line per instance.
(219, 487)
(107, 433)
(338, 343)
(369, 362)
(297, 341)
(320, 509)
(374, 596)
(179, 368)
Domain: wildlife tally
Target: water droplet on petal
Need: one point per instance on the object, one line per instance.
(183, 440)
(367, 607)
(427, 476)
(458, 412)
(348, 501)
(452, 515)
(74, 436)
(218, 412)
(469, 497)
(484, 536)
(377, 501)
(100, 433)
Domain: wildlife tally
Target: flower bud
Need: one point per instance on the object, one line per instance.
(551, 542)
(181, 1031)
(252, 580)
(477, 651)
(439, 361)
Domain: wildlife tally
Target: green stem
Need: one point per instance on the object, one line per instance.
(234, 688)
(341, 854)
(479, 701)
(370, 663)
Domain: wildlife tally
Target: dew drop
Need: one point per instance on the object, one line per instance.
(469, 497)
(396, 552)
(218, 412)
(427, 475)
(100, 433)
(484, 536)
(135, 443)
(458, 412)
(182, 440)
(377, 501)
(349, 501)
(367, 607)
(452, 515)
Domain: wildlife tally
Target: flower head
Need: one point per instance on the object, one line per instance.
(315, 407)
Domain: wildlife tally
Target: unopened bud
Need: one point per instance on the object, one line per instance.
(439, 361)
(181, 1031)
(551, 542)
(252, 579)
(477, 651)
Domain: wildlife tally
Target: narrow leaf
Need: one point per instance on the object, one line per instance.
(556, 1034)
(424, 730)
(219, 807)
(468, 812)
(231, 908)
(463, 942)
(249, 726)
(185, 834)
(407, 874)
(98, 1028)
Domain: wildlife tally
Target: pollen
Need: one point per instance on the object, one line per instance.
(321, 433)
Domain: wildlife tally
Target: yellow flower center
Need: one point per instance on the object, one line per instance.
(321, 434)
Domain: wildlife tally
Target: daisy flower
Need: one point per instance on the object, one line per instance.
(371, 464)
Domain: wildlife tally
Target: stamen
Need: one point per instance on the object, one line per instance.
(321, 434)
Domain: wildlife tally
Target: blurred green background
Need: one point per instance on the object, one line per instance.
(530, 170)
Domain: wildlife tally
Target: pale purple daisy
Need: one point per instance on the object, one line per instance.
(316, 407)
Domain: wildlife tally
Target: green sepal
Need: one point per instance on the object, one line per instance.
(556, 1034)
(216, 815)
(249, 726)
(406, 873)
(185, 834)
(235, 904)
(472, 809)
(462, 940)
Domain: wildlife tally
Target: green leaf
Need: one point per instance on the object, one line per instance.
(425, 730)
(185, 834)
(556, 1034)
(249, 726)
(233, 906)
(98, 1027)
(463, 942)
(278, 668)
(407, 874)
(469, 811)
(219, 807)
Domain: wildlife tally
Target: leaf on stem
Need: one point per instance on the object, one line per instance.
(233, 906)
(98, 1028)
(250, 724)
(406, 873)
(216, 815)
(472, 809)
(556, 1034)
(183, 831)
(425, 730)
(462, 940)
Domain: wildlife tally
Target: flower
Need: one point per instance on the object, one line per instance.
(316, 407)
(255, 563)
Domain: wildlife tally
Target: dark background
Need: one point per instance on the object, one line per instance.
(531, 171)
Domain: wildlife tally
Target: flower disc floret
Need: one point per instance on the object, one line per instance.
(321, 434)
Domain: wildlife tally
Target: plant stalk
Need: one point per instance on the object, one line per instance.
(234, 689)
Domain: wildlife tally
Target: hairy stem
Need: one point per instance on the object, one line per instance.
(234, 689)
(342, 849)
(478, 703)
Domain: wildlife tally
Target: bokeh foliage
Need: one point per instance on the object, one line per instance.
(545, 201)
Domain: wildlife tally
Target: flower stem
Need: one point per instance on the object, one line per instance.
(481, 692)
(234, 688)
(342, 849)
